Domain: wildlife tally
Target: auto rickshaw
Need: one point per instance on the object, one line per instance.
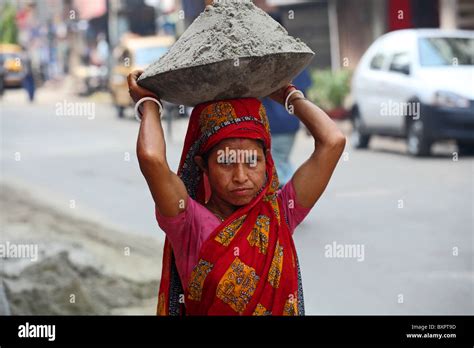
(137, 52)
(13, 70)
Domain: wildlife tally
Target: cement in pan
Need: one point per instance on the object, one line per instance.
(232, 50)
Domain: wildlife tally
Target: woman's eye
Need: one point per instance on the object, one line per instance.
(253, 161)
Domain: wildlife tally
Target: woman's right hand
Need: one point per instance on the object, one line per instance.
(280, 95)
(137, 92)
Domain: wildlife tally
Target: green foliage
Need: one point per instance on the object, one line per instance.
(329, 88)
(8, 28)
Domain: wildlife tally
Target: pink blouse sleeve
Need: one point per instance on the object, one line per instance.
(182, 232)
(292, 210)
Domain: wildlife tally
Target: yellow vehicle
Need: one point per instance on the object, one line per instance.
(133, 52)
(10, 58)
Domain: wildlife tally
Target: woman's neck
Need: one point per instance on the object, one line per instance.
(220, 207)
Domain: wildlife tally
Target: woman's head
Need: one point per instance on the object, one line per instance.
(236, 169)
(229, 141)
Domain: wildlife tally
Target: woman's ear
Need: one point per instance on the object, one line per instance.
(201, 163)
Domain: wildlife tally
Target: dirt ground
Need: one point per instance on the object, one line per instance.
(82, 267)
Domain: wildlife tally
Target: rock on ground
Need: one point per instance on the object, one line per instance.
(82, 267)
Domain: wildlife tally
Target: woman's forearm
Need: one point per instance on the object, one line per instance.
(151, 144)
(167, 189)
(322, 128)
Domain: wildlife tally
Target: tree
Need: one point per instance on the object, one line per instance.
(8, 28)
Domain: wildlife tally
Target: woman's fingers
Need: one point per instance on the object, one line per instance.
(133, 77)
(137, 92)
(278, 95)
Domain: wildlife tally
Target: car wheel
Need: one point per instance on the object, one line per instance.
(417, 142)
(359, 139)
(465, 148)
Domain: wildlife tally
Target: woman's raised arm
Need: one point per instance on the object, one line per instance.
(312, 177)
(167, 189)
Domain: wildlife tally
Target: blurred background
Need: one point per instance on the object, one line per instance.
(78, 232)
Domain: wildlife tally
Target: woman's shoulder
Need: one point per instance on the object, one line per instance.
(191, 210)
(195, 219)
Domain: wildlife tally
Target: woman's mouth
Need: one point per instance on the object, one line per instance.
(241, 191)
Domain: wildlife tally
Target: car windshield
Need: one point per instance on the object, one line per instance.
(147, 55)
(444, 51)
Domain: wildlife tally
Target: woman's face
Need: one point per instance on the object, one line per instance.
(236, 170)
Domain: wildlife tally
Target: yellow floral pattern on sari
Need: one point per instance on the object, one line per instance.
(272, 199)
(259, 235)
(161, 304)
(261, 310)
(273, 188)
(264, 118)
(226, 235)
(198, 276)
(237, 285)
(274, 274)
(291, 305)
(216, 114)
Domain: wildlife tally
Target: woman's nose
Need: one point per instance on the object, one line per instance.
(240, 173)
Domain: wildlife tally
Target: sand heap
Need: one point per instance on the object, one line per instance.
(233, 49)
(75, 256)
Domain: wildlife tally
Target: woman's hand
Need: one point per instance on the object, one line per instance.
(137, 92)
(280, 95)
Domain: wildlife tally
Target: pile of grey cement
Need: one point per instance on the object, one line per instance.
(227, 30)
(235, 33)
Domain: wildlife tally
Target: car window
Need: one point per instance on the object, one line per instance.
(400, 63)
(377, 61)
(444, 51)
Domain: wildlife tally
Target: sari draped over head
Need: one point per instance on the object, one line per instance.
(248, 265)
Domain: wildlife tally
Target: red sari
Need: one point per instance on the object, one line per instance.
(248, 265)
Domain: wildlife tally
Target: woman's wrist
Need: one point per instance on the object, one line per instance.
(148, 105)
(292, 96)
(295, 97)
(288, 90)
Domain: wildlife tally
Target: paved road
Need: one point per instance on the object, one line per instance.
(409, 215)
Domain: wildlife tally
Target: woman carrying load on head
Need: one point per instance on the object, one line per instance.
(229, 248)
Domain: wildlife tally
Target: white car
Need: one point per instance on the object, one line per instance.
(417, 84)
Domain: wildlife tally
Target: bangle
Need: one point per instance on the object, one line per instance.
(288, 98)
(137, 105)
